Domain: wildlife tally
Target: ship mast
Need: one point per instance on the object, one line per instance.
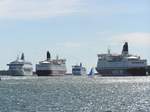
(108, 50)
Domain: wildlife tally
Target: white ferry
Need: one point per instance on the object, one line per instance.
(20, 67)
(123, 64)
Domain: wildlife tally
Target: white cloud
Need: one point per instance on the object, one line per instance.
(36, 8)
(28, 9)
(110, 8)
(137, 38)
(70, 44)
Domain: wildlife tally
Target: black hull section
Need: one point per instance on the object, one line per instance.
(123, 72)
(137, 71)
(50, 73)
(15, 73)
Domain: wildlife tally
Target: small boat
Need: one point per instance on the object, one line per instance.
(91, 74)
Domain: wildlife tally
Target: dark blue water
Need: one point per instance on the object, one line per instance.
(75, 94)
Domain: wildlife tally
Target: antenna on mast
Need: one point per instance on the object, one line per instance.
(17, 57)
(57, 57)
(108, 49)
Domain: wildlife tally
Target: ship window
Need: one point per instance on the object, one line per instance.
(138, 62)
(76, 69)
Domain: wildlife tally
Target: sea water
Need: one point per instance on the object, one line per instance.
(75, 94)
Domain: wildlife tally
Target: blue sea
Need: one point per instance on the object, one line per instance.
(75, 94)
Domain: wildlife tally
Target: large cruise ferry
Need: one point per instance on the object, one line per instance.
(78, 70)
(51, 67)
(20, 67)
(123, 64)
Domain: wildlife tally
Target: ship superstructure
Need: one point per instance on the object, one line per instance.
(20, 67)
(123, 64)
(78, 70)
(51, 67)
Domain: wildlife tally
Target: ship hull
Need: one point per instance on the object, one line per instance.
(19, 73)
(122, 72)
(50, 72)
(78, 73)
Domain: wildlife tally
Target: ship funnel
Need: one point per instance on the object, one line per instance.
(80, 64)
(125, 50)
(22, 56)
(48, 56)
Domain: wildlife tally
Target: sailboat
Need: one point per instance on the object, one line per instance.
(91, 74)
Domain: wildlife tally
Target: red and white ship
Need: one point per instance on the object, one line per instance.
(49, 67)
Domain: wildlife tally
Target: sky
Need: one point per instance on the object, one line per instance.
(76, 30)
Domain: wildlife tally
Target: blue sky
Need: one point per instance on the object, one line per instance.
(73, 29)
